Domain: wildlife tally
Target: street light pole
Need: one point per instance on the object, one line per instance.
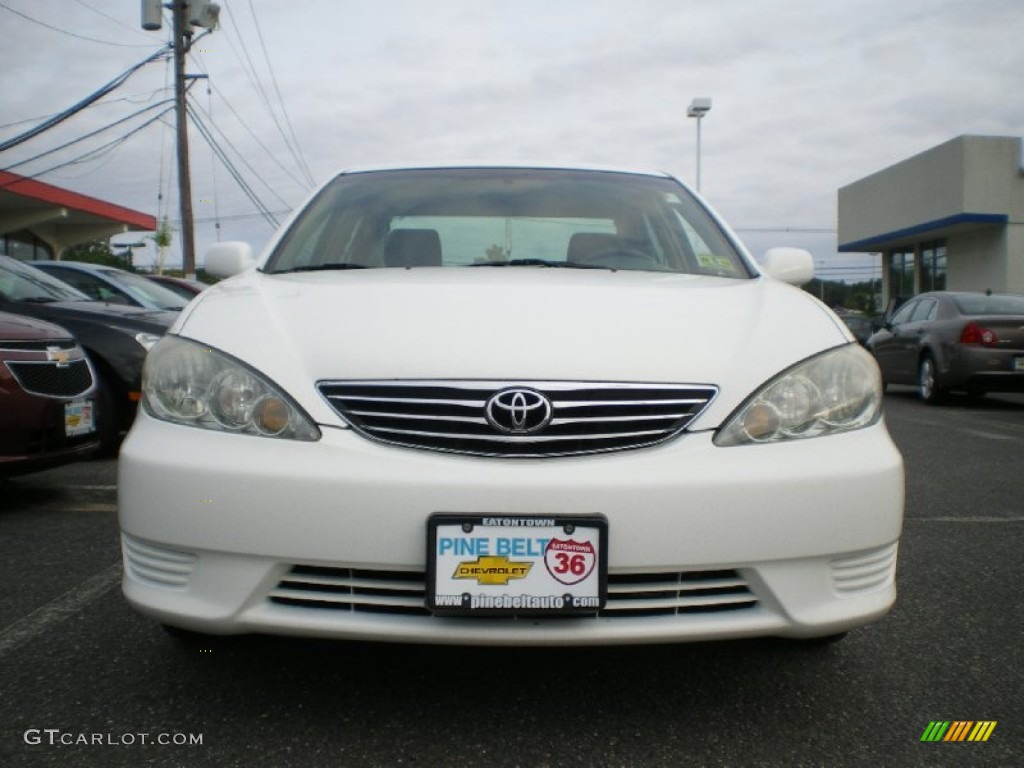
(697, 109)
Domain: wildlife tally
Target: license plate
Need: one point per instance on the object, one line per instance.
(79, 418)
(516, 564)
(1018, 363)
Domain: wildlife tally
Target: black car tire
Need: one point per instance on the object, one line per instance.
(928, 386)
(825, 640)
(109, 416)
(186, 637)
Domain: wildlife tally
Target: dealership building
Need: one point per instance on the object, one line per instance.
(950, 218)
(40, 221)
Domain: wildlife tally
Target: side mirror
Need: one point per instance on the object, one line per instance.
(790, 265)
(229, 258)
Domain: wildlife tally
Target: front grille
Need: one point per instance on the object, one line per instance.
(404, 592)
(37, 346)
(51, 379)
(473, 417)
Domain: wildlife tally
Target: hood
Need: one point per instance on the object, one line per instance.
(21, 328)
(512, 324)
(102, 313)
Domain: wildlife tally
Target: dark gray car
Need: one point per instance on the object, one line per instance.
(949, 340)
(115, 337)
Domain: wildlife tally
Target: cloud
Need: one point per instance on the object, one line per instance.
(808, 96)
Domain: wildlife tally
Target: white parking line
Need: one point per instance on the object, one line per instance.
(71, 602)
(986, 435)
(964, 519)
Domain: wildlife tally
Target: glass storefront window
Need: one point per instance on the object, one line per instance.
(933, 266)
(901, 273)
(24, 246)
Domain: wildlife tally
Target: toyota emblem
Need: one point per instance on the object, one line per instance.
(518, 411)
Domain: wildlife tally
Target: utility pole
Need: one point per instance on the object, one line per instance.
(182, 43)
(184, 14)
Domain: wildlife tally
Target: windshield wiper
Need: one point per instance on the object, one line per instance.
(42, 300)
(538, 263)
(322, 267)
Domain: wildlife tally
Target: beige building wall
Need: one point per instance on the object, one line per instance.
(967, 193)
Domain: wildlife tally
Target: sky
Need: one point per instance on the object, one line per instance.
(807, 96)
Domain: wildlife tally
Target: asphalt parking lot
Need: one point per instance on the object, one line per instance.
(86, 682)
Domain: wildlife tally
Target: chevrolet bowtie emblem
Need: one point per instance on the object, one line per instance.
(58, 356)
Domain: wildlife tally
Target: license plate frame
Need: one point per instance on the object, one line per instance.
(511, 565)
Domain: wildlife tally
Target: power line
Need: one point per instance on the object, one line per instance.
(262, 93)
(114, 19)
(76, 108)
(247, 164)
(91, 134)
(161, 188)
(72, 34)
(139, 99)
(93, 153)
(297, 153)
(249, 192)
(213, 164)
(272, 155)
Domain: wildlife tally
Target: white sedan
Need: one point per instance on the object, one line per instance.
(496, 405)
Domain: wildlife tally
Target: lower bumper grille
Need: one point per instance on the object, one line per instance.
(157, 566)
(864, 572)
(404, 592)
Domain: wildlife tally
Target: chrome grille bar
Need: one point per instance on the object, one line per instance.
(459, 416)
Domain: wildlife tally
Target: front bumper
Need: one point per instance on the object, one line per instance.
(226, 534)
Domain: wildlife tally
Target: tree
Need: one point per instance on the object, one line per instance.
(94, 252)
(162, 238)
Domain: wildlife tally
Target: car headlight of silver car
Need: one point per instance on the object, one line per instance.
(191, 384)
(836, 391)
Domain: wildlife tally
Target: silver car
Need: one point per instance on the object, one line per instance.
(112, 285)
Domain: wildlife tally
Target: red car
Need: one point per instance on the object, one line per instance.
(47, 397)
(187, 289)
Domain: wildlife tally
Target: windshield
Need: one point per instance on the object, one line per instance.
(506, 217)
(20, 282)
(990, 304)
(146, 292)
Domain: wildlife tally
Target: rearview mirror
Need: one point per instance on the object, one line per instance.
(790, 265)
(229, 258)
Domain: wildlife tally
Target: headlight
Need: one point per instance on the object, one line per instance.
(187, 383)
(147, 340)
(837, 391)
